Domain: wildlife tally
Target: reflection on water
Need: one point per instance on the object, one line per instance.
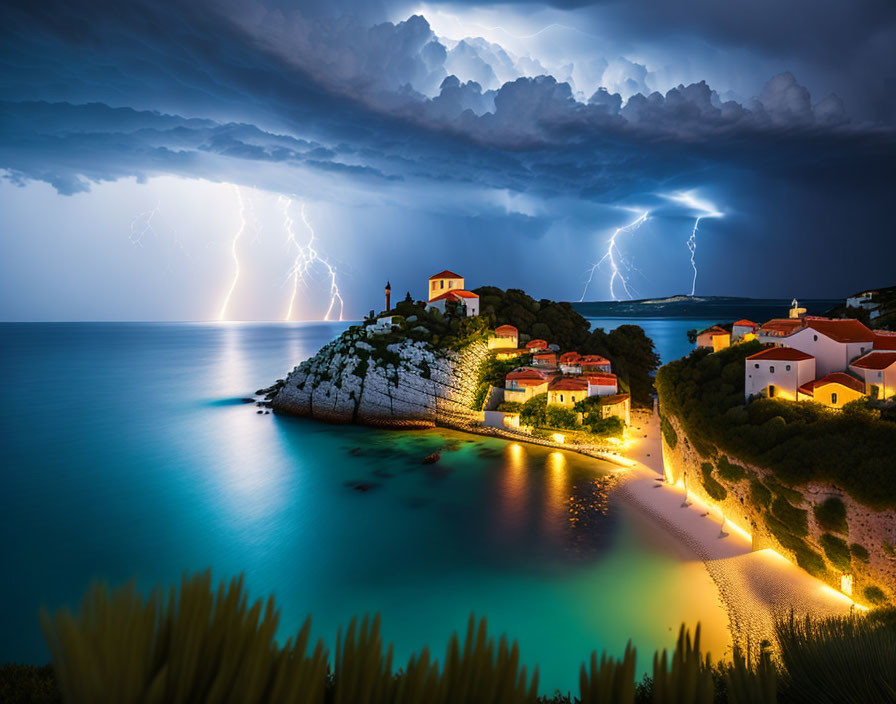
(137, 463)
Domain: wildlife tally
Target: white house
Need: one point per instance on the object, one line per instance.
(775, 329)
(778, 372)
(601, 384)
(445, 287)
(833, 343)
(878, 370)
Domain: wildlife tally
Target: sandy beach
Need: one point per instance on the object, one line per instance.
(753, 586)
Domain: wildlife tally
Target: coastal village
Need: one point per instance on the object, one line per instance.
(831, 361)
(565, 378)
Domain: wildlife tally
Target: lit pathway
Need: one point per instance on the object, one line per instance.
(754, 586)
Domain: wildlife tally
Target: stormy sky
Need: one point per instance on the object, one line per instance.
(260, 160)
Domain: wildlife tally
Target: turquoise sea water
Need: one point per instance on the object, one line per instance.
(128, 454)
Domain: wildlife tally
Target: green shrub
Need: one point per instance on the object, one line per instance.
(837, 551)
(558, 416)
(609, 427)
(669, 434)
(831, 515)
(811, 561)
(799, 442)
(795, 519)
(875, 595)
(28, 684)
(713, 488)
(533, 412)
(510, 407)
(859, 552)
(778, 489)
(759, 494)
(848, 660)
(730, 472)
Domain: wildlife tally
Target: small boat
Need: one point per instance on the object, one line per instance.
(433, 458)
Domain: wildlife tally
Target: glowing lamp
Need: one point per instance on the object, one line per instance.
(558, 437)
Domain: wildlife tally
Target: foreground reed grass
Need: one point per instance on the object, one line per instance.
(206, 645)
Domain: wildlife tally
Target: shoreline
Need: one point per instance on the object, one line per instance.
(754, 587)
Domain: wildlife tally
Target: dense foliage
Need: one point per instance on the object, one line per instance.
(830, 514)
(491, 373)
(558, 416)
(201, 644)
(798, 442)
(632, 353)
(533, 412)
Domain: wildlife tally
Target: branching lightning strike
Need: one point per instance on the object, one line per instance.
(305, 257)
(234, 253)
(611, 257)
(705, 210)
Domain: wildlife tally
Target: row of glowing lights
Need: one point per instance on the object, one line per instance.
(518, 451)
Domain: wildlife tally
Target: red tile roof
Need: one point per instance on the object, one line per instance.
(525, 373)
(782, 326)
(536, 344)
(604, 379)
(875, 360)
(846, 380)
(781, 354)
(594, 359)
(746, 323)
(613, 400)
(568, 384)
(841, 330)
(445, 275)
(506, 331)
(570, 357)
(456, 294)
(884, 340)
(713, 330)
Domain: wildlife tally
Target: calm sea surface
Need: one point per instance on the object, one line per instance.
(128, 454)
(669, 335)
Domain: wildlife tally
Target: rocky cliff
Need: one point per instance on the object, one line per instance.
(818, 526)
(375, 376)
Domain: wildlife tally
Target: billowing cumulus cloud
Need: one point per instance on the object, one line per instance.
(351, 110)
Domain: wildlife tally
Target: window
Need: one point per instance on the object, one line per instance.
(561, 398)
(442, 284)
(815, 338)
(756, 365)
(787, 368)
(834, 399)
(771, 390)
(771, 370)
(433, 285)
(450, 284)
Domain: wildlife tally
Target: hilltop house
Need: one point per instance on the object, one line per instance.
(445, 287)
(826, 360)
(778, 372)
(714, 338)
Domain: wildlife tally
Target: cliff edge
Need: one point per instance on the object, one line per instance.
(379, 376)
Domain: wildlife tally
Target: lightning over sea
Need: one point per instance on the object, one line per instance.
(614, 257)
(704, 210)
(305, 258)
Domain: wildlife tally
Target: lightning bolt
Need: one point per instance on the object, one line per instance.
(307, 257)
(141, 224)
(234, 254)
(705, 209)
(611, 257)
